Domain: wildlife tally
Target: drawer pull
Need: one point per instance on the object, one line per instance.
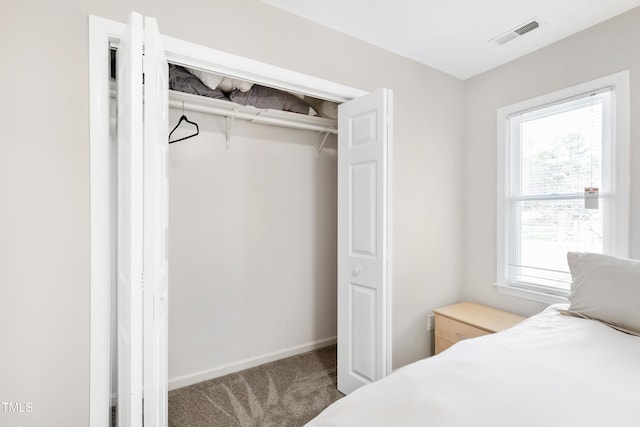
(462, 337)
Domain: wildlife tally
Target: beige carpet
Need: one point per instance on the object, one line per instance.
(285, 393)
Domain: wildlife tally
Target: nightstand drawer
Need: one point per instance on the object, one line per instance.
(468, 320)
(453, 331)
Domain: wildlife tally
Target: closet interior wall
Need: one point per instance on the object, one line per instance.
(252, 246)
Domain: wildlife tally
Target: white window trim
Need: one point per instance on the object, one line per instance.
(619, 82)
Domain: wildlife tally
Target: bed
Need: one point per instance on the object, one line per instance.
(575, 364)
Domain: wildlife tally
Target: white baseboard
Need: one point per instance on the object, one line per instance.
(196, 377)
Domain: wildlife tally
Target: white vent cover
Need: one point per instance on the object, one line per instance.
(518, 31)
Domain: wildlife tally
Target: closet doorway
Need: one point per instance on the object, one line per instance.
(364, 213)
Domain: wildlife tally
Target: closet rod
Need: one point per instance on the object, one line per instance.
(251, 117)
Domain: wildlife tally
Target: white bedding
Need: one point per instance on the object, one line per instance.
(550, 370)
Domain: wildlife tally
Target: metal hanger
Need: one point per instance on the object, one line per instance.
(184, 118)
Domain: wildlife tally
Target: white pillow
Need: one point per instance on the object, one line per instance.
(209, 79)
(606, 288)
(328, 109)
(229, 85)
(216, 81)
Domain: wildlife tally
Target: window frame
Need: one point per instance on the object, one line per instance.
(619, 163)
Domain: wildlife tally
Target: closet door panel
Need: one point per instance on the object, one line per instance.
(129, 224)
(156, 110)
(364, 334)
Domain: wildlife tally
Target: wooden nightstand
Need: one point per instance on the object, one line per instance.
(468, 320)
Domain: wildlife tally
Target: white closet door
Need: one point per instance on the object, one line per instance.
(156, 109)
(129, 228)
(364, 335)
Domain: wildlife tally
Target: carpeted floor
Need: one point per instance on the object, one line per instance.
(285, 393)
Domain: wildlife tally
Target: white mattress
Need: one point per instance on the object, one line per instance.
(550, 370)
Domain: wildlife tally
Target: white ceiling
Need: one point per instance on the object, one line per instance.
(453, 35)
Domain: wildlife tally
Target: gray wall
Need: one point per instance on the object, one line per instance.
(598, 51)
(44, 177)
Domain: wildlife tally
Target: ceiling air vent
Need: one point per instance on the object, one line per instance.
(517, 32)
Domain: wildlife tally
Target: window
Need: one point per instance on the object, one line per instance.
(550, 150)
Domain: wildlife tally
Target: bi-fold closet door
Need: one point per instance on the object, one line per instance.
(142, 278)
(364, 228)
(364, 240)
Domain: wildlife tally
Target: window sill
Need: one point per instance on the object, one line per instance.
(529, 294)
